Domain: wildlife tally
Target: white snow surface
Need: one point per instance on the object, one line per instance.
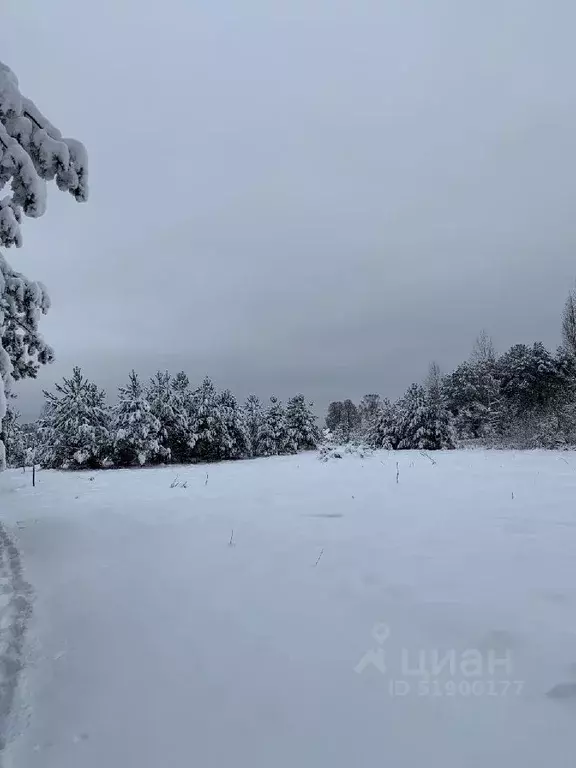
(223, 621)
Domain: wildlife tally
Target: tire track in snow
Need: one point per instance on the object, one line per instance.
(15, 611)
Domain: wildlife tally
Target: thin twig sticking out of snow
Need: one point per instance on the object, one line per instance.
(319, 558)
(397, 473)
(422, 453)
(231, 542)
(206, 481)
(562, 459)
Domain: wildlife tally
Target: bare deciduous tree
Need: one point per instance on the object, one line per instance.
(369, 410)
(483, 349)
(569, 323)
(343, 418)
(433, 382)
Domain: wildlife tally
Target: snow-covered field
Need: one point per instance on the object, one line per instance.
(348, 620)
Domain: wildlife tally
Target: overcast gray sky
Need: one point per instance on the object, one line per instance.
(301, 195)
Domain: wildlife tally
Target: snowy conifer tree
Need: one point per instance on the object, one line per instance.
(14, 439)
(136, 430)
(22, 348)
(206, 425)
(440, 433)
(235, 441)
(301, 430)
(538, 392)
(254, 419)
(32, 152)
(472, 394)
(163, 405)
(76, 428)
(531, 377)
(273, 436)
(423, 423)
(181, 445)
(22, 302)
(384, 430)
(409, 410)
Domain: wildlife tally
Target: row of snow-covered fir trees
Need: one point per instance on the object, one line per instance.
(524, 398)
(163, 421)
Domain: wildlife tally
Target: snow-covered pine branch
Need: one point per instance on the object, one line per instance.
(22, 303)
(32, 152)
(22, 348)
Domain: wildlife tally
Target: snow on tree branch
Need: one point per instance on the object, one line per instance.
(22, 303)
(22, 348)
(32, 152)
